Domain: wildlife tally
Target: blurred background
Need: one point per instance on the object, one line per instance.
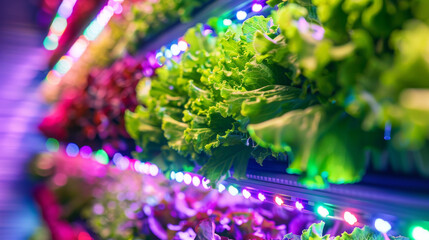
(23, 63)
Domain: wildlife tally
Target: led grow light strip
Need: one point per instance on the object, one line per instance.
(59, 24)
(90, 34)
(323, 210)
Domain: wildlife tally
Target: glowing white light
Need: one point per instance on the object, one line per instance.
(137, 166)
(175, 50)
(299, 205)
(179, 177)
(261, 197)
(145, 168)
(153, 169)
(168, 54)
(227, 22)
(420, 233)
(232, 190)
(246, 194)
(241, 15)
(256, 7)
(172, 175)
(196, 181)
(66, 8)
(183, 46)
(205, 183)
(322, 211)
(187, 179)
(350, 218)
(221, 187)
(278, 200)
(382, 226)
(78, 47)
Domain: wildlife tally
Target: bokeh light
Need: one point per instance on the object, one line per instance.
(78, 47)
(183, 46)
(153, 170)
(350, 218)
(221, 187)
(175, 50)
(179, 177)
(101, 157)
(241, 15)
(72, 150)
(196, 181)
(187, 178)
(58, 25)
(227, 22)
(85, 151)
(382, 225)
(299, 205)
(322, 211)
(261, 197)
(232, 190)
(63, 65)
(256, 7)
(419, 233)
(278, 200)
(51, 42)
(52, 145)
(246, 193)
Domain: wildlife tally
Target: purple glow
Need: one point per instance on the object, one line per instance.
(98, 209)
(139, 149)
(318, 32)
(303, 25)
(85, 152)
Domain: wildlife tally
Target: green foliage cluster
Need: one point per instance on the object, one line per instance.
(315, 232)
(327, 97)
(151, 17)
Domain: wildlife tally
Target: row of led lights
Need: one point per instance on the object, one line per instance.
(124, 163)
(181, 46)
(380, 224)
(78, 48)
(59, 24)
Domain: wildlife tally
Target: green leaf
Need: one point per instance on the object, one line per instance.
(260, 153)
(273, 3)
(223, 159)
(254, 24)
(315, 231)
